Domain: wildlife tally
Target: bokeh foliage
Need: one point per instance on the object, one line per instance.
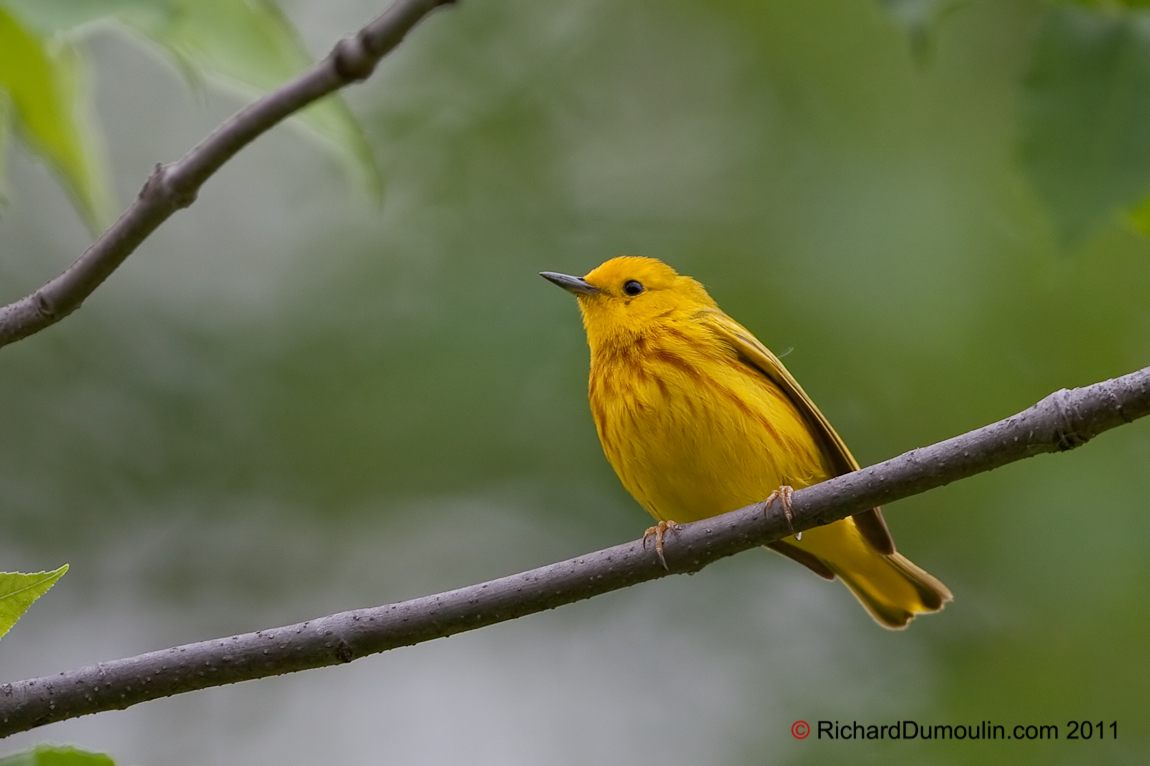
(1084, 103)
(1084, 106)
(289, 403)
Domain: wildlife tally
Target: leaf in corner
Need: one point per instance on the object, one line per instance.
(250, 45)
(1085, 127)
(51, 755)
(43, 82)
(18, 591)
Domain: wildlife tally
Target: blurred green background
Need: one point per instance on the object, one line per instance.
(293, 401)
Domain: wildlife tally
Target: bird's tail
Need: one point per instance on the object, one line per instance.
(890, 586)
(894, 590)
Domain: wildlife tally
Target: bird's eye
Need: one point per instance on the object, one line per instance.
(632, 288)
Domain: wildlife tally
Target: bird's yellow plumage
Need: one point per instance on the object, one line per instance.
(698, 418)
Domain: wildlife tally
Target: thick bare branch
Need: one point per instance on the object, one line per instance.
(1061, 421)
(174, 186)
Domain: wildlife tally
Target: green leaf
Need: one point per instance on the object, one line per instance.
(18, 591)
(247, 45)
(252, 47)
(49, 755)
(43, 81)
(1085, 128)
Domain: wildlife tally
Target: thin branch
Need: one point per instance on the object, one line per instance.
(1061, 421)
(174, 186)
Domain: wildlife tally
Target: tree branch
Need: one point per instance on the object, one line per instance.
(174, 186)
(1061, 421)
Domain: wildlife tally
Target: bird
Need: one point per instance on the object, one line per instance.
(698, 418)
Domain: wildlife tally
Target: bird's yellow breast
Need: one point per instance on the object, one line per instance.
(692, 431)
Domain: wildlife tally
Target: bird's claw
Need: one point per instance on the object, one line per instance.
(783, 494)
(657, 532)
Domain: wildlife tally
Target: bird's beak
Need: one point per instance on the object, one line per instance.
(577, 285)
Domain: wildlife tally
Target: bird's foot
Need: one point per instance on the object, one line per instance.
(783, 494)
(657, 532)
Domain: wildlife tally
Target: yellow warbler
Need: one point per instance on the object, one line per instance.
(698, 418)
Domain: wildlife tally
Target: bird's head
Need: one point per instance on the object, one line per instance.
(629, 295)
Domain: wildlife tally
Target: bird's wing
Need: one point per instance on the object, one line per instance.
(755, 354)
